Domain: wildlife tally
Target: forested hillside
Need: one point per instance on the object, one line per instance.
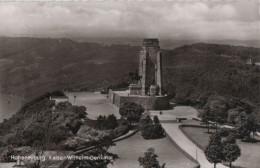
(29, 67)
(41, 122)
(201, 70)
(193, 74)
(215, 76)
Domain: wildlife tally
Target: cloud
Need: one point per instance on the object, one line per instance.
(176, 20)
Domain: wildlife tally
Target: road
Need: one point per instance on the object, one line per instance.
(177, 135)
(188, 146)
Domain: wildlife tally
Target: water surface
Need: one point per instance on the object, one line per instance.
(9, 105)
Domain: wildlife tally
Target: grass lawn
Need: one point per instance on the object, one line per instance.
(250, 152)
(130, 149)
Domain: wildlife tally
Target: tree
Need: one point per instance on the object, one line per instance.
(156, 119)
(158, 131)
(111, 122)
(145, 120)
(6, 154)
(131, 111)
(231, 150)
(100, 120)
(207, 116)
(150, 160)
(213, 150)
(38, 151)
(233, 115)
(152, 129)
(250, 125)
(219, 109)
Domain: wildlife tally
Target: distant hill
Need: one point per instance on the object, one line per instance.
(168, 43)
(29, 67)
(196, 72)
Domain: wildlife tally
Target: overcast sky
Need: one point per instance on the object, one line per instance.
(165, 20)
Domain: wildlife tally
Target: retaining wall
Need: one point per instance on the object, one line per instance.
(148, 102)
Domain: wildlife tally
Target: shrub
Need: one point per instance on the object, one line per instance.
(224, 132)
(123, 122)
(111, 122)
(131, 111)
(88, 136)
(151, 129)
(6, 154)
(156, 119)
(105, 123)
(145, 121)
(121, 130)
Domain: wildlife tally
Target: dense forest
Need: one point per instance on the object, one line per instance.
(200, 72)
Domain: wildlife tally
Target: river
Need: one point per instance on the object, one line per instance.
(9, 105)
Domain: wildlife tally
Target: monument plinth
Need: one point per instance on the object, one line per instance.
(148, 91)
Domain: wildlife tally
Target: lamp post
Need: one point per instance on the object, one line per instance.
(74, 99)
(196, 154)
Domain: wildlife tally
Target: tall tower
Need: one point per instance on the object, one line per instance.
(150, 66)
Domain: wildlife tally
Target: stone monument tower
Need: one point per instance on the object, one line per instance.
(150, 68)
(148, 91)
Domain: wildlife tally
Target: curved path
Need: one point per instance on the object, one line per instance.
(187, 145)
(177, 135)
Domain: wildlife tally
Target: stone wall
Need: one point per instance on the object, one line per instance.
(149, 102)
